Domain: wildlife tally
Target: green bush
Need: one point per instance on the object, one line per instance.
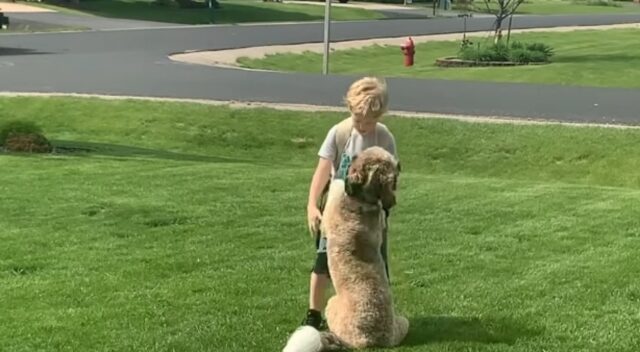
(164, 2)
(23, 136)
(385, 1)
(28, 143)
(526, 56)
(489, 54)
(604, 3)
(541, 47)
(17, 127)
(500, 52)
(517, 45)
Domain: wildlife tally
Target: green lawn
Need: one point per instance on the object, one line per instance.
(232, 11)
(582, 58)
(183, 230)
(553, 7)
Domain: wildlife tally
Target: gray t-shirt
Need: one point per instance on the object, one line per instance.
(356, 143)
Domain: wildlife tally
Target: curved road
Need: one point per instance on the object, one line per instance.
(134, 62)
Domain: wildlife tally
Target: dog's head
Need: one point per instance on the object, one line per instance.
(373, 177)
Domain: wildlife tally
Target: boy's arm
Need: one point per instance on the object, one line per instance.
(392, 148)
(320, 178)
(319, 181)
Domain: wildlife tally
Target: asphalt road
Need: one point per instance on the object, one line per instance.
(134, 62)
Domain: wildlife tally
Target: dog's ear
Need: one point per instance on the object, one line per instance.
(351, 189)
(388, 198)
(386, 188)
(356, 175)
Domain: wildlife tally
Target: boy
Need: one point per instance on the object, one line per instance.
(367, 100)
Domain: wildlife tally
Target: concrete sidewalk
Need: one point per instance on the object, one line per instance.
(397, 11)
(30, 18)
(228, 58)
(351, 4)
(90, 22)
(10, 7)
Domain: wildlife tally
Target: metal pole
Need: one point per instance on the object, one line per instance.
(509, 32)
(211, 17)
(464, 36)
(327, 33)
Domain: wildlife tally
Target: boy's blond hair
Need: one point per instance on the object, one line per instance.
(368, 97)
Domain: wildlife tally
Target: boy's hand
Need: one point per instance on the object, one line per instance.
(313, 218)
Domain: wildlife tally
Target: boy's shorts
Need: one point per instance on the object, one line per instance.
(321, 265)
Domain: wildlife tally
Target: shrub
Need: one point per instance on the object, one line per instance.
(163, 2)
(604, 3)
(526, 56)
(27, 142)
(468, 53)
(500, 52)
(186, 4)
(190, 4)
(384, 1)
(23, 136)
(541, 47)
(17, 127)
(517, 45)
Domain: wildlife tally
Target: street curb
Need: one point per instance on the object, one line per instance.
(322, 108)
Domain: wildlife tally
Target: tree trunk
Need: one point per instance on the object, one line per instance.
(498, 32)
(509, 29)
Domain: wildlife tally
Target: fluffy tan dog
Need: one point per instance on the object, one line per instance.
(361, 314)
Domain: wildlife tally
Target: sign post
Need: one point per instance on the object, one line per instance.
(327, 33)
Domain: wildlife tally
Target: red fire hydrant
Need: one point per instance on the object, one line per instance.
(409, 50)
